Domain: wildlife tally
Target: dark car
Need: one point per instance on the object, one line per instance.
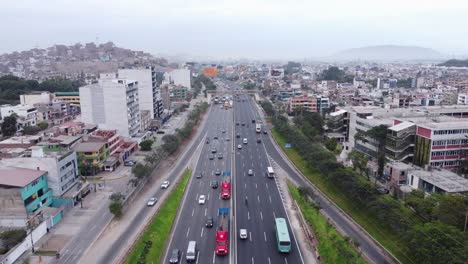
(237, 123)
(264, 132)
(175, 256)
(215, 137)
(209, 222)
(200, 175)
(253, 120)
(207, 141)
(218, 172)
(224, 131)
(237, 135)
(211, 157)
(243, 124)
(259, 140)
(220, 156)
(214, 184)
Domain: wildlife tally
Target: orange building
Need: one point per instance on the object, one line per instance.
(210, 72)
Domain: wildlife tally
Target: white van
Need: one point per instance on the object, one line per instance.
(244, 141)
(191, 255)
(270, 172)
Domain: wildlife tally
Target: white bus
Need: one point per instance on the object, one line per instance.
(270, 172)
(258, 128)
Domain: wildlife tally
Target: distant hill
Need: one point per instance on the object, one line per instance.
(389, 53)
(455, 63)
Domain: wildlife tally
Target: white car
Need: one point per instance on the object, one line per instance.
(244, 141)
(243, 234)
(152, 201)
(250, 172)
(239, 146)
(165, 184)
(201, 199)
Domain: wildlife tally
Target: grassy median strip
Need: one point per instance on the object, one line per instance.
(150, 246)
(379, 230)
(333, 247)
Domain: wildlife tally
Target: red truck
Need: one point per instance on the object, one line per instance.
(226, 188)
(222, 233)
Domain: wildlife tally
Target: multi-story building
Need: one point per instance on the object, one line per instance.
(178, 93)
(55, 112)
(73, 98)
(399, 145)
(36, 97)
(149, 93)
(323, 103)
(92, 156)
(306, 102)
(23, 191)
(61, 165)
(441, 144)
(179, 77)
(112, 104)
(462, 99)
(27, 115)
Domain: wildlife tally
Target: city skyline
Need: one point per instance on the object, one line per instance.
(259, 29)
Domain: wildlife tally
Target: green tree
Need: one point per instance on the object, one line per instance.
(452, 209)
(9, 126)
(43, 125)
(331, 144)
(171, 143)
(11, 238)
(117, 197)
(116, 208)
(30, 130)
(268, 108)
(145, 145)
(359, 161)
(141, 171)
(332, 74)
(435, 243)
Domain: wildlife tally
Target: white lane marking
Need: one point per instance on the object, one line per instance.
(269, 261)
(261, 216)
(219, 196)
(214, 256)
(256, 187)
(250, 236)
(253, 260)
(264, 235)
(193, 211)
(285, 261)
(248, 215)
(266, 184)
(188, 231)
(269, 197)
(258, 198)
(205, 211)
(199, 184)
(198, 256)
(274, 215)
(208, 197)
(201, 235)
(196, 197)
(245, 185)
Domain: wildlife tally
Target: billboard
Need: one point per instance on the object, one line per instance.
(210, 72)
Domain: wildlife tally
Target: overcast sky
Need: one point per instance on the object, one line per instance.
(238, 28)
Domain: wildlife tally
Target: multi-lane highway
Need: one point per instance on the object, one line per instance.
(264, 202)
(190, 225)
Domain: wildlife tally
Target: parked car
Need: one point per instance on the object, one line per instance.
(160, 132)
(152, 201)
(214, 184)
(129, 163)
(201, 199)
(175, 256)
(165, 184)
(243, 234)
(209, 222)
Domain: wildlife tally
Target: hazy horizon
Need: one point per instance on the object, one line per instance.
(249, 29)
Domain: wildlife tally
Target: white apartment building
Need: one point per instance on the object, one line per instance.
(462, 99)
(62, 167)
(27, 115)
(112, 104)
(149, 93)
(36, 97)
(179, 77)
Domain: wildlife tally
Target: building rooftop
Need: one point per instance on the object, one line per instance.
(339, 112)
(403, 125)
(443, 179)
(22, 140)
(18, 177)
(89, 146)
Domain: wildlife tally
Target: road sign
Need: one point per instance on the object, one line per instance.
(226, 173)
(287, 145)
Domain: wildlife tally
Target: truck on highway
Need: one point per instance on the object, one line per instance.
(226, 105)
(258, 128)
(226, 188)
(216, 100)
(222, 232)
(270, 172)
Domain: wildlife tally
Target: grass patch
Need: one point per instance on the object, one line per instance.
(378, 229)
(333, 247)
(158, 230)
